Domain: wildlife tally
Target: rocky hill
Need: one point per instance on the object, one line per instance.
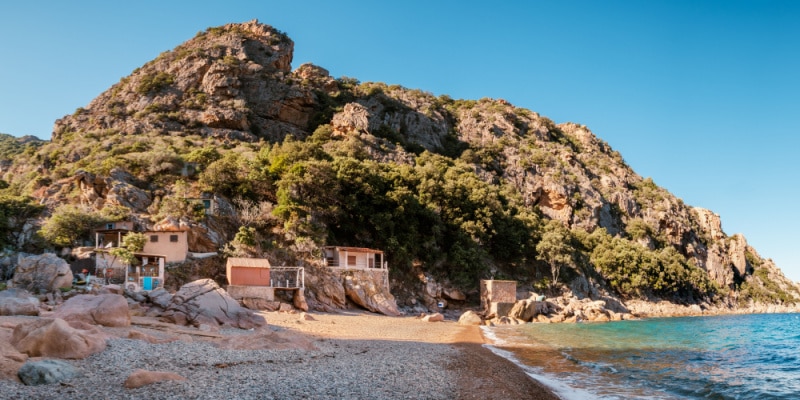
(454, 190)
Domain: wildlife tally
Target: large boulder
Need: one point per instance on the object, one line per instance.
(159, 297)
(104, 309)
(524, 310)
(324, 290)
(368, 291)
(43, 273)
(56, 338)
(17, 301)
(204, 302)
(47, 372)
(470, 318)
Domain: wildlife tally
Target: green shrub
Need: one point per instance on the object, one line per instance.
(154, 83)
(69, 224)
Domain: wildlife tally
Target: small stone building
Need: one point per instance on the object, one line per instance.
(248, 271)
(498, 297)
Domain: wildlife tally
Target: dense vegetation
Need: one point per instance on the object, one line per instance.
(449, 188)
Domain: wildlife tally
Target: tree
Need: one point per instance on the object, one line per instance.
(555, 248)
(68, 224)
(131, 243)
(15, 212)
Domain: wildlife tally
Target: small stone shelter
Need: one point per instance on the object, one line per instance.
(498, 297)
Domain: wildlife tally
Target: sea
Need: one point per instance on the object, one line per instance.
(754, 356)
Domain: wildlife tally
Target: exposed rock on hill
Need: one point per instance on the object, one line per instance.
(232, 82)
(455, 190)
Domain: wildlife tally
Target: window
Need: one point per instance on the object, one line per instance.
(153, 238)
(173, 238)
(110, 226)
(351, 260)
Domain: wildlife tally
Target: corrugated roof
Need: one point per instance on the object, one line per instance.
(248, 262)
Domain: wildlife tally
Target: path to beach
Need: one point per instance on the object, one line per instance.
(350, 355)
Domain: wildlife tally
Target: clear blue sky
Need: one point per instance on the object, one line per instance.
(702, 96)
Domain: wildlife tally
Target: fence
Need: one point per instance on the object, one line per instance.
(287, 277)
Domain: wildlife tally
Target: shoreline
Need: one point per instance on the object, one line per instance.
(353, 354)
(481, 359)
(480, 372)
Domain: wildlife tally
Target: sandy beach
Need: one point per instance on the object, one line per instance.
(349, 355)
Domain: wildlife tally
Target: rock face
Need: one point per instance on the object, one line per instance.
(43, 273)
(103, 309)
(324, 290)
(362, 289)
(329, 290)
(204, 302)
(16, 301)
(56, 338)
(228, 82)
(46, 372)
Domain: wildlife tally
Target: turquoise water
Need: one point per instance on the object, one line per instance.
(724, 357)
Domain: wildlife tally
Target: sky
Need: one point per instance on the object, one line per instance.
(701, 96)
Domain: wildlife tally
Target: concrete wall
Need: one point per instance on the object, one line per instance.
(251, 292)
(497, 297)
(174, 251)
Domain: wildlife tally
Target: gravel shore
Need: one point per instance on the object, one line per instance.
(335, 356)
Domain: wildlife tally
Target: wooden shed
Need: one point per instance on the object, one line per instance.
(248, 271)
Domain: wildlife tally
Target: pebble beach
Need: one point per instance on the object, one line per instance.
(350, 355)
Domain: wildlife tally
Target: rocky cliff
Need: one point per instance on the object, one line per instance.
(224, 116)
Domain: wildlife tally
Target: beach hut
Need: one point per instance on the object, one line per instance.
(248, 271)
(354, 258)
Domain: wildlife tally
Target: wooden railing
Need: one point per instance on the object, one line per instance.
(333, 263)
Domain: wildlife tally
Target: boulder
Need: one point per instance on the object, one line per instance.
(16, 301)
(453, 294)
(306, 317)
(324, 290)
(43, 273)
(435, 317)
(204, 302)
(470, 318)
(46, 372)
(299, 301)
(140, 377)
(103, 309)
(56, 338)
(542, 318)
(364, 289)
(111, 289)
(159, 297)
(525, 310)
